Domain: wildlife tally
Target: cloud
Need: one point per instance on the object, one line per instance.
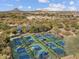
(20, 7)
(56, 7)
(9, 5)
(72, 8)
(29, 7)
(71, 2)
(59, 7)
(17, 0)
(43, 1)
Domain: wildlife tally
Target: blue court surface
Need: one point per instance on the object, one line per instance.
(37, 46)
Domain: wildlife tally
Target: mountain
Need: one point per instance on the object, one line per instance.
(15, 10)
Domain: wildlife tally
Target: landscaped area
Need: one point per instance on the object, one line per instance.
(40, 26)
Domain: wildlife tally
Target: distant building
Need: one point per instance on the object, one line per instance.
(19, 28)
(28, 27)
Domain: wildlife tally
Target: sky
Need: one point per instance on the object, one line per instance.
(50, 5)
